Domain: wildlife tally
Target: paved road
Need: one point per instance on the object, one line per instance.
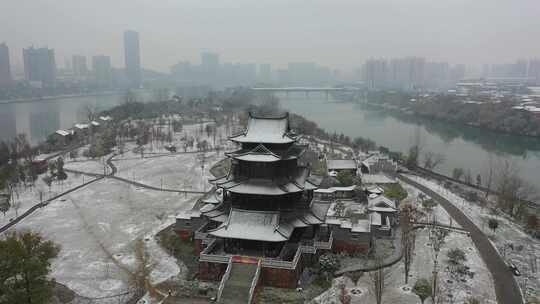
(506, 287)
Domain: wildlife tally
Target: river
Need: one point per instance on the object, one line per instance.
(464, 147)
(38, 119)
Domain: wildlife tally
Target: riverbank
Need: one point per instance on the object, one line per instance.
(411, 112)
(59, 97)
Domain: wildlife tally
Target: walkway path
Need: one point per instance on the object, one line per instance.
(46, 202)
(506, 287)
(134, 183)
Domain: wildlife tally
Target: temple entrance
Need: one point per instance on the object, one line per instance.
(253, 248)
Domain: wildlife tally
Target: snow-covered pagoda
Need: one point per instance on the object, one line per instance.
(261, 212)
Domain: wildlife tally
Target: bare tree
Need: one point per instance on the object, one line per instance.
(489, 174)
(437, 238)
(408, 237)
(378, 278)
(512, 190)
(433, 160)
(91, 112)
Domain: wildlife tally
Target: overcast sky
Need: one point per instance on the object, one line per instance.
(338, 33)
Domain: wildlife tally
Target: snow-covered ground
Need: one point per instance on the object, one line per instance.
(97, 226)
(26, 197)
(396, 291)
(526, 249)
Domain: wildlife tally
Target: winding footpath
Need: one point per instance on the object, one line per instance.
(506, 287)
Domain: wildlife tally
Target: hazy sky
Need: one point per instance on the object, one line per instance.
(340, 33)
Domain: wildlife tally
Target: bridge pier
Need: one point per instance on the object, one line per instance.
(307, 94)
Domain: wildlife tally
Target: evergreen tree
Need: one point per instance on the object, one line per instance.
(24, 267)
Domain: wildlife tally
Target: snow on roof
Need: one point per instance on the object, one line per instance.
(273, 130)
(253, 225)
(381, 202)
(62, 132)
(379, 178)
(341, 164)
(95, 123)
(212, 198)
(375, 190)
(188, 214)
(326, 191)
(81, 126)
(105, 118)
(344, 189)
(263, 154)
(298, 182)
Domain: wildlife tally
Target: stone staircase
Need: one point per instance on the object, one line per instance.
(237, 286)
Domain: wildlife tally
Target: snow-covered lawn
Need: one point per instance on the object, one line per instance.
(26, 197)
(97, 226)
(101, 222)
(526, 249)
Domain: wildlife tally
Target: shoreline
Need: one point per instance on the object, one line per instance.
(450, 122)
(58, 97)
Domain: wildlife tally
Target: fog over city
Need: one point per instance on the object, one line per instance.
(339, 34)
(269, 151)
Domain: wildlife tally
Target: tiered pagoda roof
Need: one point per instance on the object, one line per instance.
(271, 130)
(270, 226)
(262, 154)
(298, 181)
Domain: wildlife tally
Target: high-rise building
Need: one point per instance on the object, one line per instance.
(376, 73)
(132, 58)
(39, 65)
(79, 65)
(5, 67)
(102, 71)
(209, 67)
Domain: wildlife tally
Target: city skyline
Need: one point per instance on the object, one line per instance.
(339, 35)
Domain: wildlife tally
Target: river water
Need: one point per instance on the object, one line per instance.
(38, 119)
(463, 147)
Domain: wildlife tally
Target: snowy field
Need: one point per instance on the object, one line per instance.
(98, 226)
(526, 249)
(396, 291)
(26, 197)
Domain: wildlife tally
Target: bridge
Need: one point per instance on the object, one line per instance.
(306, 90)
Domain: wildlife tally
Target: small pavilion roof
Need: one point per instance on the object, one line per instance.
(254, 225)
(341, 164)
(381, 204)
(273, 130)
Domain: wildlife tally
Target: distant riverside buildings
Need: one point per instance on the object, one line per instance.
(102, 71)
(5, 67)
(520, 71)
(410, 73)
(79, 65)
(132, 58)
(39, 65)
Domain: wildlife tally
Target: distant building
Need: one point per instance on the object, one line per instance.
(132, 58)
(102, 71)
(340, 165)
(376, 73)
(39, 65)
(5, 67)
(209, 67)
(79, 65)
